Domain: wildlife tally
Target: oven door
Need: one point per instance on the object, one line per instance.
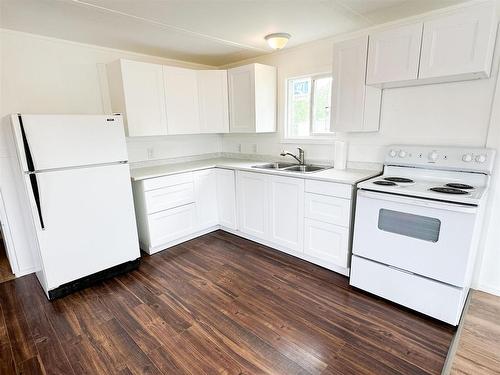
(426, 237)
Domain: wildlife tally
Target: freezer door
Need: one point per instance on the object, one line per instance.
(89, 222)
(63, 141)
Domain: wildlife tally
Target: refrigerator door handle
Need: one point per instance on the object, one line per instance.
(36, 195)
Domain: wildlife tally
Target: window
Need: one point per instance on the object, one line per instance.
(308, 106)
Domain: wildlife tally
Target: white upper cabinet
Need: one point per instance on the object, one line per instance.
(136, 90)
(252, 99)
(460, 44)
(393, 55)
(213, 101)
(181, 94)
(355, 106)
(455, 46)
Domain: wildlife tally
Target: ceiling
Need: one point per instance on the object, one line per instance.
(212, 32)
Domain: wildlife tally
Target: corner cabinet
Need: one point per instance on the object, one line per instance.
(355, 106)
(181, 95)
(166, 100)
(213, 101)
(252, 99)
(137, 91)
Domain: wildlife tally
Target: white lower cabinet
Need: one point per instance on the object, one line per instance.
(169, 225)
(205, 187)
(287, 212)
(327, 242)
(253, 203)
(226, 197)
(306, 218)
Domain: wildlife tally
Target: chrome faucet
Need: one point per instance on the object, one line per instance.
(300, 158)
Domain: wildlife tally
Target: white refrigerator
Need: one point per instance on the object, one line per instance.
(74, 175)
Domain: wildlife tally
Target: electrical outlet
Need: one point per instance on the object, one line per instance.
(151, 153)
(239, 148)
(254, 148)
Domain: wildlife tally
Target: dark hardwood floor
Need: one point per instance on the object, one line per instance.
(218, 304)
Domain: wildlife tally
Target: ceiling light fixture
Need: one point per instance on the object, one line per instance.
(277, 40)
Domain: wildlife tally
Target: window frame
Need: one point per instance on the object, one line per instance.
(313, 137)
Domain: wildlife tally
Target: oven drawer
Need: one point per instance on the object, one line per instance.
(429, 238)
(169, 197)
(441, 301)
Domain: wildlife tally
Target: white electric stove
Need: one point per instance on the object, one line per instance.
(417, 227)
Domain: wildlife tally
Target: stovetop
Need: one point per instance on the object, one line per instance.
(451, 174)
(457, 187)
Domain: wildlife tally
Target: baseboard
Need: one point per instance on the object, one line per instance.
(489, 289)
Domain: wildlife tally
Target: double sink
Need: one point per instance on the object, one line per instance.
(292, 167)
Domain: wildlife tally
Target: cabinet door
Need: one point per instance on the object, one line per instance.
(253, 203)
(287, 212)
(242, 99)
(460, 43)
(181, 93)
(327, 242)
(350, 95)
(226, 197)
(144, 97)
(393, 55)
(170, 225)
(205, 187)
(213, 101)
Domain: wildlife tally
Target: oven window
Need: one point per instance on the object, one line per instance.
(416, 226)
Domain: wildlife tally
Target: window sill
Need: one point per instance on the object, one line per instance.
(309, 140)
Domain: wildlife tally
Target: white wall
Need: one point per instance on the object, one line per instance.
(488, 277)
(443, 114)
(447, 114)
(45, 75)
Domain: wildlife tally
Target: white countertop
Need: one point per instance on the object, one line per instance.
(347, 176)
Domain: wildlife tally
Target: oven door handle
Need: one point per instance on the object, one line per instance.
(457, 207)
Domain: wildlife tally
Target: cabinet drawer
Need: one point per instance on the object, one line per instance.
(327, 242)
(430, 297)
(329, 188)
(160, 182)
(328, 209)
(171, 224)
(169, 197)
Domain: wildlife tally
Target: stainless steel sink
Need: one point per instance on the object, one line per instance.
(306, 168)
(274, 165)
(291, 167)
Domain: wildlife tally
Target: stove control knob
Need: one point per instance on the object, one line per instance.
(393, 153)
(433, 156)
(467, 158)
(481, 158)
(402, 154)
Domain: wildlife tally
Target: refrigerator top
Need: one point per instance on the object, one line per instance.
(47, 142)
